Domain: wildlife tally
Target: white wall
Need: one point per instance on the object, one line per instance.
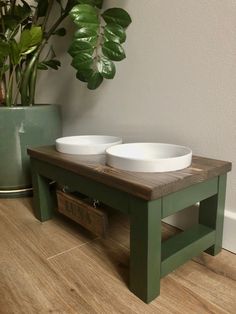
(178, 84)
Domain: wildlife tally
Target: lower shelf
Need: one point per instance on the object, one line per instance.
(185, 245)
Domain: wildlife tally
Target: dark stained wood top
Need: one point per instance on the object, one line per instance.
(148, 186)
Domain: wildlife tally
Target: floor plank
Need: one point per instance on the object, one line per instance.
(206, 284)
(58, 267)
(111, 263)
(28, 284)
(51, 237)
(222, 264)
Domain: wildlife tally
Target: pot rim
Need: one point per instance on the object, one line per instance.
(19, 107)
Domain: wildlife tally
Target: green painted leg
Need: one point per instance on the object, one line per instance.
(211, 214)
(43, 201)
(145, 249)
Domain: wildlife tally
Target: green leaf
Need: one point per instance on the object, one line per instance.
(36, 35)
(84, 15)
(10, 22)
(96, 3)
(12, 33)
(14, 52)
(82, 61)
(99, 3)
(84, 74)
(5, 68)
(86, 34)
(42, 7)
(78, 46)
(113, 51)
(30, 38)
(21, 13)
(106, 68)
(25, 40)
(117, 16)
(95, 81)
(28, 51)
(114, 32)
(26, 7)
(19, 17)
(42, 66)
(80, 76)
(60, 32)
(54, 64)
(4, 49)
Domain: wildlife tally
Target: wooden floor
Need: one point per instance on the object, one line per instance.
(57, 267)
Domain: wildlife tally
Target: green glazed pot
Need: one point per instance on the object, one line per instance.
(22, 127)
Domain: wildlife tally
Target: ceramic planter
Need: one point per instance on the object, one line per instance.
(22, 127)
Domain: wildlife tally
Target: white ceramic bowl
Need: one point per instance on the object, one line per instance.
(86, 144)
(149, 157)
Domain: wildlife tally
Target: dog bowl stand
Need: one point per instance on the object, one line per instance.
(147, 198)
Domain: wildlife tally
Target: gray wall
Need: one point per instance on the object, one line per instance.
(178, 84)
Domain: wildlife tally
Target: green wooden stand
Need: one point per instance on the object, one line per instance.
(150, 259)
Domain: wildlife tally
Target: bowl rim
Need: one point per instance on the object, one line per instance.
(109, 152)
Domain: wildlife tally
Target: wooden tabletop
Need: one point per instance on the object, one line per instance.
(148, 186)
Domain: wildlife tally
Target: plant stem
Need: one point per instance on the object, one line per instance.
(13, 4)
(3, 82)
(30, 74)
(18, 80)
(3, 76)
(1, 17)
(35, 16)
(10, 89)
(3, 87)
(54, 26)
(33, 80)
(50, 5)
(1, 95)
(26, 79)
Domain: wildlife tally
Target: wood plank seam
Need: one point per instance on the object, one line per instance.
(71, 249)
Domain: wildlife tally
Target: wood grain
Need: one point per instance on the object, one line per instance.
(145, 185)
(92, 277)
(48, 238)
(111, 263)
(206, 284)
(221, 264)
(28, 284)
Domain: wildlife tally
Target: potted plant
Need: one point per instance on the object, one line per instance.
(26, 28)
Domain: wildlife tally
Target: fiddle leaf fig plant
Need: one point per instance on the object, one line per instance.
(26, 28)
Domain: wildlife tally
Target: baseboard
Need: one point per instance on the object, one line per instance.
(229, 235)
(189, 216)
